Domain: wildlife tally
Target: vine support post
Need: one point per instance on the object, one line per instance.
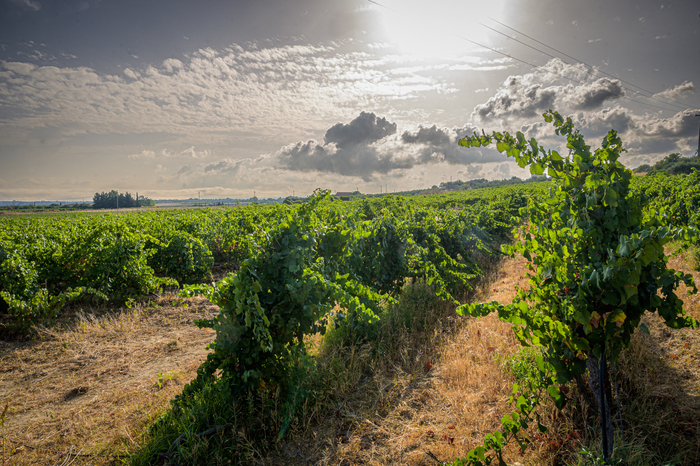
(603, 405)
(598, 385)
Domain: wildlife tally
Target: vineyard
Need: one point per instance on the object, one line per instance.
(312, 297)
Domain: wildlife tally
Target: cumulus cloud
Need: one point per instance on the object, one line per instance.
(190, 152)
(677, 91)
(593, 95)
(527, 96)
(224, 167)
(348, 149)
(364, 148)
(144, 154)
(365, 129)
(131, 73)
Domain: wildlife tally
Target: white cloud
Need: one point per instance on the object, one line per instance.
(256, 90)
(527, 96)
(131, 73)
(144, 154)
(190, 152)
(677, 91)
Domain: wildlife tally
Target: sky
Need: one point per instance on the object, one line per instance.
(180, 99)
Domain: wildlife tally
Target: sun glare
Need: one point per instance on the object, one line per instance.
(430, 29)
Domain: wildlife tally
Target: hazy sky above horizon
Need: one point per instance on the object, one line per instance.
(170, 98)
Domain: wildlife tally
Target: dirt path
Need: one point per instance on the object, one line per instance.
(90, 388)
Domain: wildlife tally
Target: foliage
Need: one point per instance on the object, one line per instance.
(116, 200)
(673, 164)
(597, 263)
(24, 298)
(280, 295)
(180, 255)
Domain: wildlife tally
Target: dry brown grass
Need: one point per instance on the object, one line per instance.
(93, 387)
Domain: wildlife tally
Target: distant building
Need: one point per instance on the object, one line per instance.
(343, 196)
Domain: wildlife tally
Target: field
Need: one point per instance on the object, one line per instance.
(97, 341)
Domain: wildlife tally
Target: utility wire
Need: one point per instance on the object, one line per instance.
(652, 97)
(619, 95)
(679, 104)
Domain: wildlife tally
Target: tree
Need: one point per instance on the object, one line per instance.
(597, 265)
(115, 200)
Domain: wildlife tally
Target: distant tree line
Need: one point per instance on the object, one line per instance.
(116, 200)
(673, 164)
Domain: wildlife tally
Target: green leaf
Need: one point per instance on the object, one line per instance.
(537, 169)
(555, 393)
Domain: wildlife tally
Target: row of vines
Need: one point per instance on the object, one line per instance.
(47, 262)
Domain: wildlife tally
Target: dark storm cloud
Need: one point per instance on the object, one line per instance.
(365, 129)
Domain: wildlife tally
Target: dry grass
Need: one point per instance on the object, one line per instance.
(93, 387)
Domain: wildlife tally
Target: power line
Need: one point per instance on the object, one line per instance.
(678, 104)
(619, 95)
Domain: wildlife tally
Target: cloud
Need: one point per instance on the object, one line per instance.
(677, 91)
(645, 136)
(358, 160)
(144, 154)
(131, 73)
(365, 129)
(527, 96)
(190, 152)
(36, 6)
(256, 89)
(432, 136)
(365, 147)
(593, 95)
(347, 150)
